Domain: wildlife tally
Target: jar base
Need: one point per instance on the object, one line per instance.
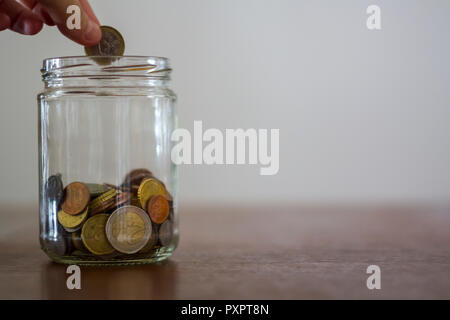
(85, 260)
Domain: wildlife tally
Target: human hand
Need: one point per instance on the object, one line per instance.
(28, 16)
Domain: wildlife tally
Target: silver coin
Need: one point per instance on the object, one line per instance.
(54, 188)
(52, 234)
(166, 233)
(128, 229)
(56, 242)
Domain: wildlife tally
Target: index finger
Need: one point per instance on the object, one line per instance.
(89, 32)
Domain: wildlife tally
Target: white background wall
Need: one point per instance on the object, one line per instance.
(363, 115)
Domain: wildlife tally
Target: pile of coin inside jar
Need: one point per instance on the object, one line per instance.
(135, 217)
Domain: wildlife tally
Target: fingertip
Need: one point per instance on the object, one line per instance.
(34, 26)
(92, 33)
(89, 35)
(5, 21)
(28, 24)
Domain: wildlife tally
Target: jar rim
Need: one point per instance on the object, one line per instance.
(105, 67)
(125, 57)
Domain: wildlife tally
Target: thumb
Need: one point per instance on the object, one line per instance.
(89, 32)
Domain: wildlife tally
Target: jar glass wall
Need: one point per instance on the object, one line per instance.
(108, 187)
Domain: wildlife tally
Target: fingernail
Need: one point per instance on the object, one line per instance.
(92, 33)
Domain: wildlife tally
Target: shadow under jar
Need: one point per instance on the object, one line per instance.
(108, 187)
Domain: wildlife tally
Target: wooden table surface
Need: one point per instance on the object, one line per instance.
(296, 252)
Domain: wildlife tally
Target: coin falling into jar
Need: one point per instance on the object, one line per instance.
(111, 44)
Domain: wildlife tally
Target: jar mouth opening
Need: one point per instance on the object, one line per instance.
(106, 67)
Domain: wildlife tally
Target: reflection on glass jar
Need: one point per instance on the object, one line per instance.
(108, 187)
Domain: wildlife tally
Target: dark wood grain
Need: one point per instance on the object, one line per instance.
(254, 253)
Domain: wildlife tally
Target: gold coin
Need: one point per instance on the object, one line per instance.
(109, 204)
(102, 198)
(149, 188)
(94, 237)
(71, 222)
(128, 229)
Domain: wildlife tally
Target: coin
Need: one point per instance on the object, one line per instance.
(149, 188)
(103, 197)
(54, 188)
(152, 242)
(76, 198)
(112, 203)
(135, 186)
(128, 229)
(166, 233)
(111, 44)
(135, 201)
(119, 200)
(77, 242)
(133, 180)
(70, 222)
(94, 237)
(97, 189)
(136, 173)
(119, 188)
(122, 199)
(158, 209)
(71, 230)
(101, 202)
(55, 242)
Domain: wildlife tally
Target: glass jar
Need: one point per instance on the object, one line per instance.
(108, 187)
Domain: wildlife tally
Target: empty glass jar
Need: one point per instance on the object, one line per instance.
(108, 187)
